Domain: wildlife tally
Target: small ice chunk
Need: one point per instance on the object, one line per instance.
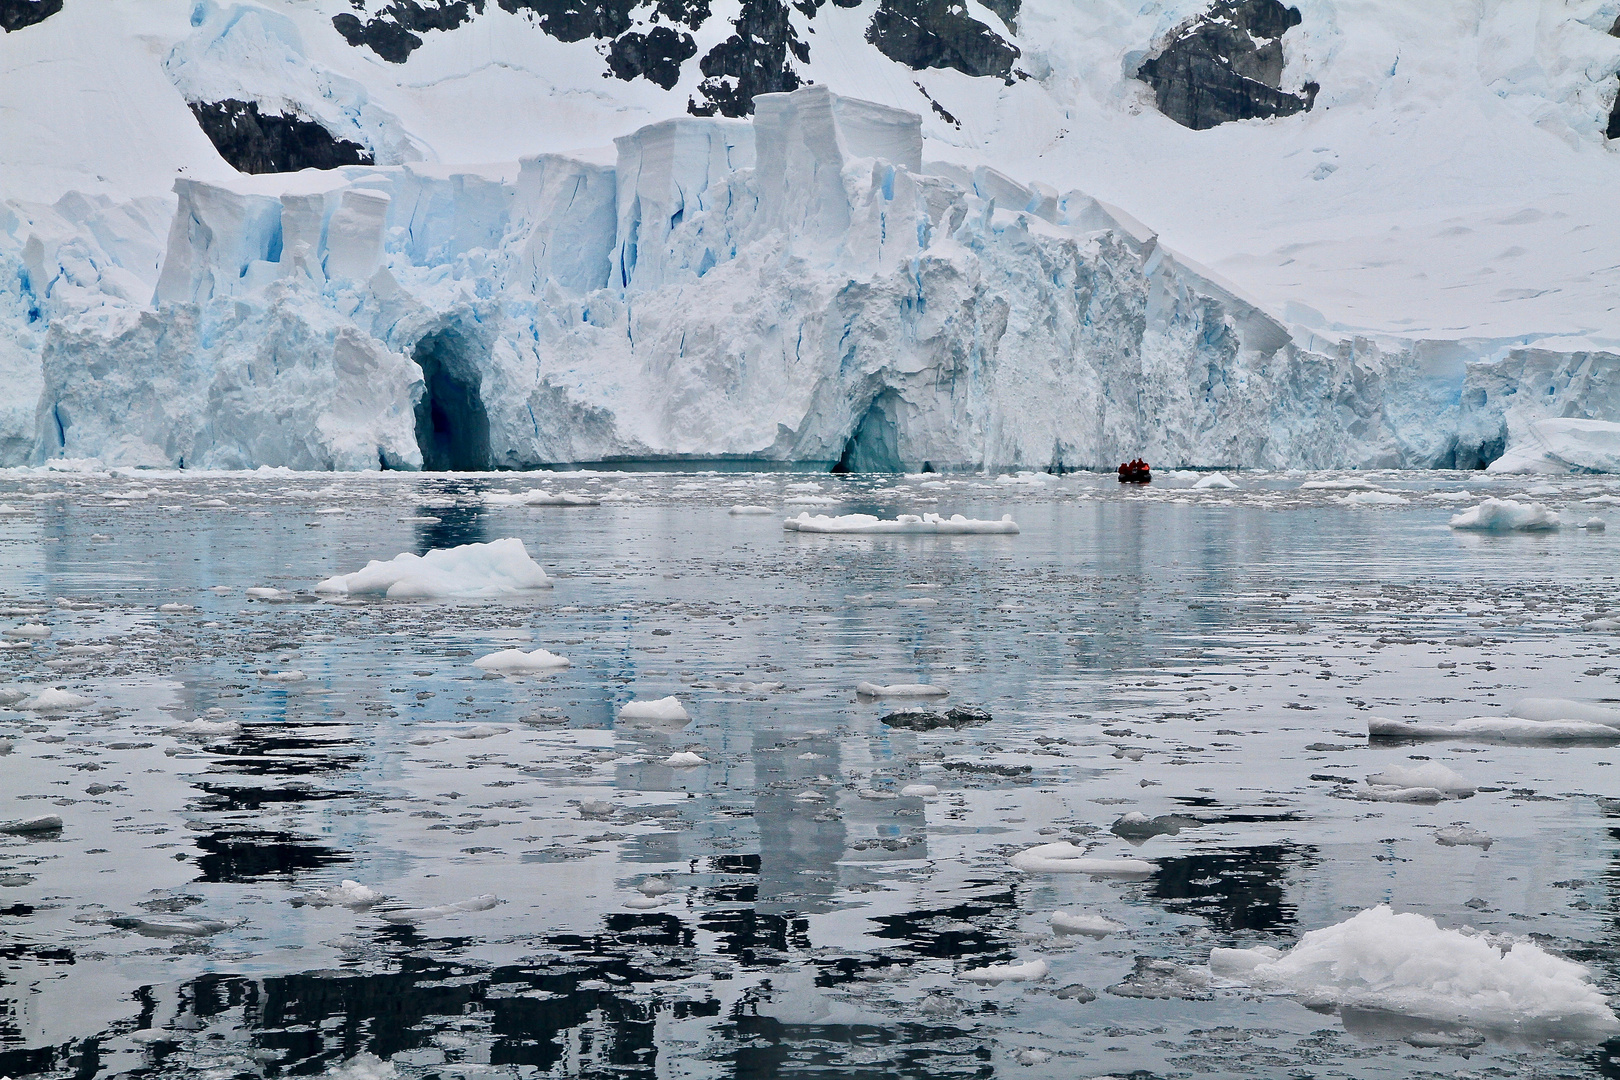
(363, 1067)
(56, 700)
(7, 510)
(655, 885)
(424, 914)
(1462, 836)
(1064, 858)
(750, 510)
(175, 609)
(1405, 963)
(643, 903)
(349, 894)
(900, 690)
(28, 826)
(1094, 926)
(498, 568)
(684, 759)
(1030, 971)
(919, 791)
(1506, 515)
(1596, 524)
(289, 676)
(1430, 774)
(926, 525)
(172, 925)
(664, 710)
(1348, 483)
(518, 662)
(28, 632)
(265, 592)
(1372, 498)
(204, 727)
(1214, 480)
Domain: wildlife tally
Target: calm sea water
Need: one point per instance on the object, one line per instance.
(1209, 654)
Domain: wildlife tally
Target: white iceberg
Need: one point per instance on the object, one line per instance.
(56, 700)
(498, 568)
(1405, 963)
(1064, 858)
(1491, 727)
(1553, 709)
(1560, 444)
(664, 710)
(518, 662)
(1506, 515)
(423, 914)
(909, 524)
(1214, 480)
(750, 510)
(1430, 774)
(1094, 926)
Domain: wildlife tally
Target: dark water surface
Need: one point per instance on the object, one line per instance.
(1206, 656)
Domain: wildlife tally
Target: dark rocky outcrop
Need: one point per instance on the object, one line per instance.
(1008, 10)
(960, 716)
(657, 55)
(1613, 130)
(1225, 65)
(392, 32)
(940, 34)
(16, 14)
(754, 60)
(256, 143)
(576, 20)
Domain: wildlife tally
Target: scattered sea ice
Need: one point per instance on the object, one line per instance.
(498, 568)
(537, 497)
(518, 662)
(750, 510)
(28, 631)
(1407, 964)
(363, 1067)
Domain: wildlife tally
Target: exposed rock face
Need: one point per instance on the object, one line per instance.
(16, 14)
(254, 143)
(1226, 65)
(752, 61)
(656, 55)
(939, 34)
(392, 32)
(576, 20)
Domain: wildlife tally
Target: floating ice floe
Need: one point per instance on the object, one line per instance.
(750, 510)
(30, 826)
(204, 727)
(1593, 525)
(1064, 858)
(911, 524)
(1532, 719)
(518, 662)
(1348, 483)
(1506, 515)
(28, 631)
(1214, 480)
(363, 1067)
(1095, 926)
(498, 568)
(537, 497)
(1372, 498)
(900, 690)
(919, 791)
(55, 700)
(661, 711)
(1407, 964)
(7, 510)
(684, 759)
(1462, 836)
(349, 894)
(290, 676)
(173, 925)
(1429, 775)
(265, 592)
(1031, 971)
(424, 914)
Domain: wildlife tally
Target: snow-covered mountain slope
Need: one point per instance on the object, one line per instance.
(1412, 244)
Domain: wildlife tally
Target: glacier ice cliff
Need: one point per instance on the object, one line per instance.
(801, 287)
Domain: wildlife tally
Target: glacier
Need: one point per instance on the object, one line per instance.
(802, 289)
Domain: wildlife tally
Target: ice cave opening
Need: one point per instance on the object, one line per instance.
(875, 444)
(452, 426)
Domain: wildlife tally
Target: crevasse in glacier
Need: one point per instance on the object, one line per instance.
(802, 287)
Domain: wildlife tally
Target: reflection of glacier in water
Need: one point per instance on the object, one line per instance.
(1205, 658)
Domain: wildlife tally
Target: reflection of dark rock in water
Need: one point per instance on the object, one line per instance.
(1236, 888)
